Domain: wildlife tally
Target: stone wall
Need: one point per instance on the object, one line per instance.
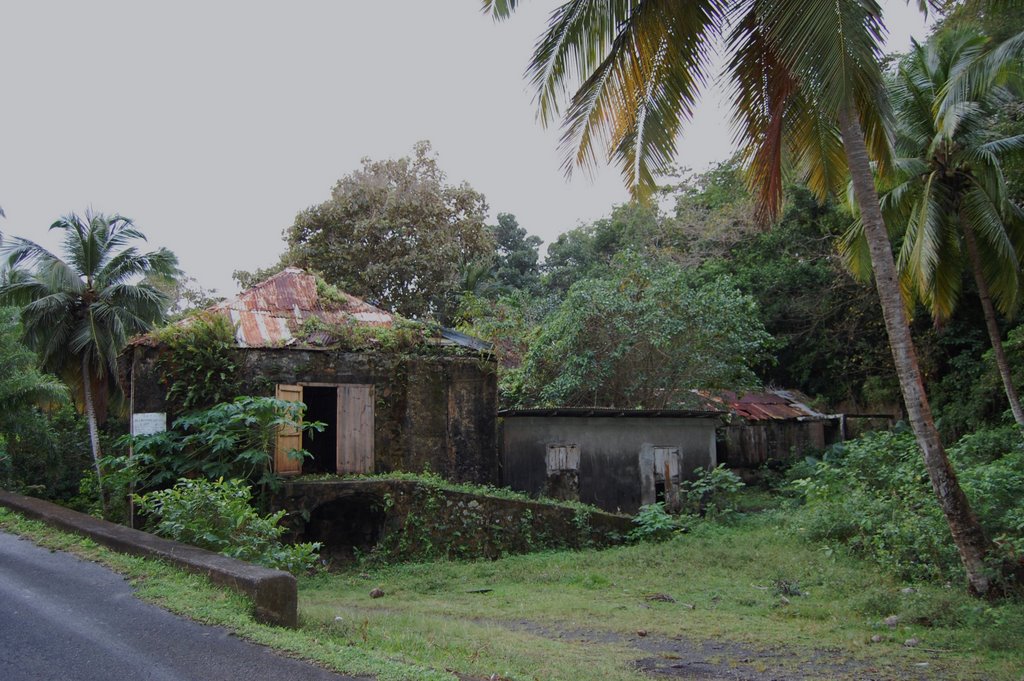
(431, 412)
(402, 520)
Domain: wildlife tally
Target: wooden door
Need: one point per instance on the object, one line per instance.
(288, 439)
(355, 429)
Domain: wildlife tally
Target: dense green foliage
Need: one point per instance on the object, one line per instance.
(198, 363)
(78, 311)
(872, 496)
(642, 336)
(218, 515)
(46, 454)
(229, 440)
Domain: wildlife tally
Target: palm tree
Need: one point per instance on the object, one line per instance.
(807, 90)
(78, 312)
(947, 191)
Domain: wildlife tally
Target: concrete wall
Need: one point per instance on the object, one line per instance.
(609, 465)
(430, 411)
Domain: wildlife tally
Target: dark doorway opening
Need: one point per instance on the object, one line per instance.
(346, 527)
(321, 405)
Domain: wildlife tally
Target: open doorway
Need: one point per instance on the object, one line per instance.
(321, 405)
(345, 446)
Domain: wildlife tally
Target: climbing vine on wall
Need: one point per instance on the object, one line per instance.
(198, 362)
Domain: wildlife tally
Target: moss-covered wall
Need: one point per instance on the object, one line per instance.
(431, 412)
(402, 520)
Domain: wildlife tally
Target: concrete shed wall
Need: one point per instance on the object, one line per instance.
(609, 465)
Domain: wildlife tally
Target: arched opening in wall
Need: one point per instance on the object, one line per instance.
(345, 526)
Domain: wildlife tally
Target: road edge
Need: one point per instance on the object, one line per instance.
(274, 593)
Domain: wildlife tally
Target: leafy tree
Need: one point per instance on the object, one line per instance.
(808, 88)
(949, 194)
(79, 312)
(642, 336)
(588, 250)
(829, 335)
(516, 257)
(21, 383)
(509, 322)
(394, 232)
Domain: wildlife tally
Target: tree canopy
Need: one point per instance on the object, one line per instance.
(641, 336)
(394, 232)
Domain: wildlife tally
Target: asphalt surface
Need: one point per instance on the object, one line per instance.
(65, 618)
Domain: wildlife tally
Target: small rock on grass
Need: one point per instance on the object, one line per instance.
(876, 638)
(641, 632)
(891, 621)
(911, 642)
(377, 592)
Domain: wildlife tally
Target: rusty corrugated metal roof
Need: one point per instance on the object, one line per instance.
(771, 405)
(271, 313)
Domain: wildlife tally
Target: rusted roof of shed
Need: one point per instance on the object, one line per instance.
(271, 312)
(771, 405)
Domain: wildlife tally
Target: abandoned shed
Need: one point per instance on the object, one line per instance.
(615, 459)
(394, 395)
(775, 425)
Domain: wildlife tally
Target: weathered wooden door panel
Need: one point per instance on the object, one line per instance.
(355, 429)
(288, 439)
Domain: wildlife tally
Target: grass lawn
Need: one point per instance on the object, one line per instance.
(751, 598)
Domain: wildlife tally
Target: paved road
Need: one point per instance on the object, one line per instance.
(65, 618)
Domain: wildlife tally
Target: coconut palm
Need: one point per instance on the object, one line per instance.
(808, 92)
(78, 312)
(947, 192)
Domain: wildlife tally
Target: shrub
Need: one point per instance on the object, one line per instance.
(712, 493)
(47, 453)
(229, 440)
(653, 523)
(873, 495)
(198, 362)
(218, 515)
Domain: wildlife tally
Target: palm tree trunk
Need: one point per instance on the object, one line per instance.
(990, 322)
(94, 433)
(968, 536)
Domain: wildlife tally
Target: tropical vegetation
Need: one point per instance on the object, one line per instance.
(79, 311)
(808, 90)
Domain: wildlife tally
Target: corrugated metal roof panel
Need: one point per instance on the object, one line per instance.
(772, 405)
(270, 313)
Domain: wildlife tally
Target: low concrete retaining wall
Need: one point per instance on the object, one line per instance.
(274, 593)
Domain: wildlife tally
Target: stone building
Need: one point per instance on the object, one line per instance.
(386, 408)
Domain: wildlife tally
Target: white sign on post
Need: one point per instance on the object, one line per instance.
(149, 423)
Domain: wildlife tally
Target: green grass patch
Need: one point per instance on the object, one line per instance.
(753, 582)
(756, 584)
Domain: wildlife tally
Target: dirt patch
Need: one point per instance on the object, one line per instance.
(680, 658)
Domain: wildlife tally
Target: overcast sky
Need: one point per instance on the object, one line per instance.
(212, 124)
